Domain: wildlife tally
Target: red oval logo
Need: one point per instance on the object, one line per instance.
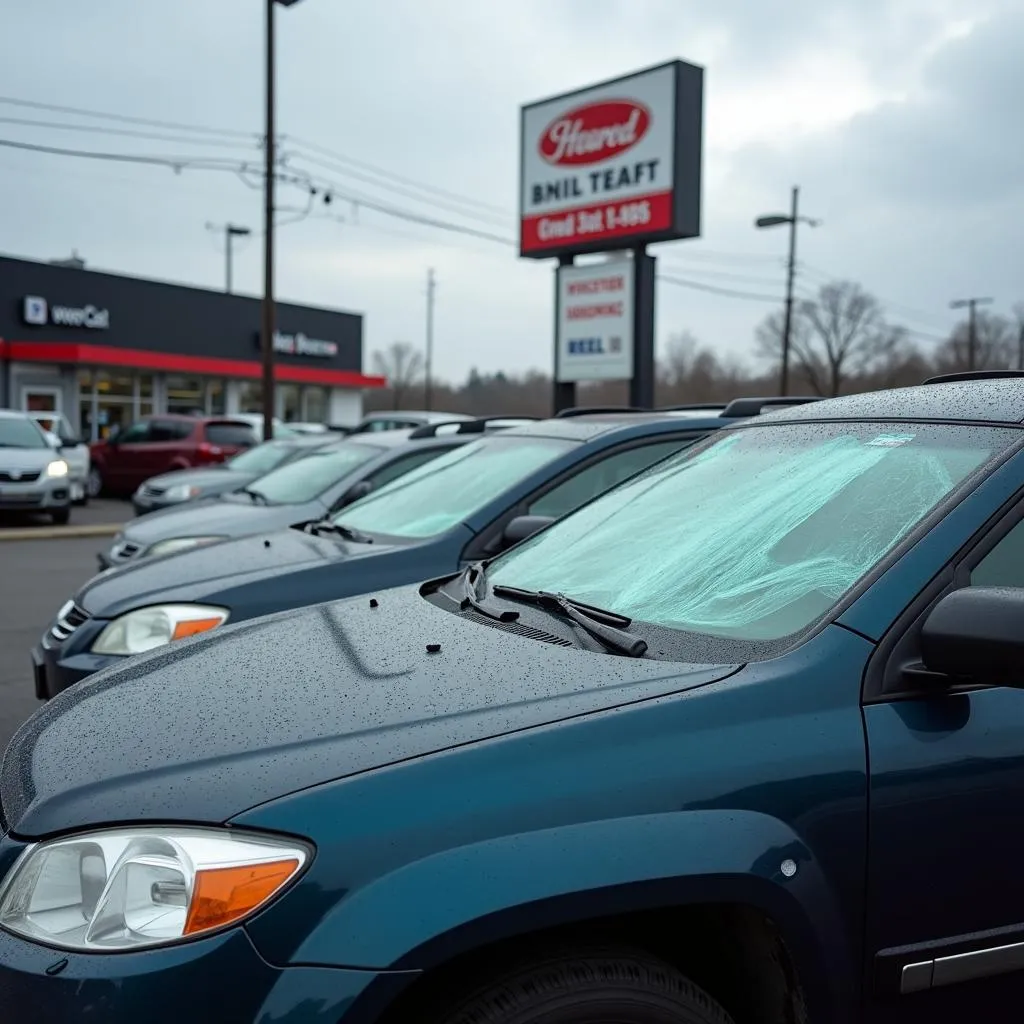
(594, 132)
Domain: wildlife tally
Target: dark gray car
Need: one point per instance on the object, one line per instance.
(170, 490)
(306, 490)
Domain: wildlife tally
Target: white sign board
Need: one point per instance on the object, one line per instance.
(613, 165)
(595, 322)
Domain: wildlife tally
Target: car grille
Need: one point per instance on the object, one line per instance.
(69, 618)
(149, 491)
(14, 476)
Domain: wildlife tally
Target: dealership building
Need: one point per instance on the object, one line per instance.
(106, 349)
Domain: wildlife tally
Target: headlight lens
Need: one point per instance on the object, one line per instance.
(57, 468)
(168, 547)
(181, 492)
(131, 888)
(146, 628)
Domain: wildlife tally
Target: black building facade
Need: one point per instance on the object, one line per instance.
(106, 349)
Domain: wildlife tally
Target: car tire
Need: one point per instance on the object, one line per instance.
(629, 988)
(93, 483)
(61, 516)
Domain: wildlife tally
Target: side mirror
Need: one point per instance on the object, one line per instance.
(53, 441)
(522, 527)
(976, 635)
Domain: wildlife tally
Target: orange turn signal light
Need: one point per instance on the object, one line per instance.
(193, 626)
(223, 895)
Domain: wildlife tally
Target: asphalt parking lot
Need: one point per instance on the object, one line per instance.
(36, 578)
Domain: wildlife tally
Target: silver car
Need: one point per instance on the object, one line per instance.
(73, 450)
(33, 477)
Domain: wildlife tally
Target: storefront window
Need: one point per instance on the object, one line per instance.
(186, 395)
(250, 396)
(215, 398)
(111, 399)
(316, 405)
(289, 402)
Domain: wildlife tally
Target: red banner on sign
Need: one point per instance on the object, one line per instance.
(639, 215)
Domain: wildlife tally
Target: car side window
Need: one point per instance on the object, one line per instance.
(602, 476)
(169, 430)
(1003, 566)
(393, 470)
(137, 433)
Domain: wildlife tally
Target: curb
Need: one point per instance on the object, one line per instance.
(60, 532)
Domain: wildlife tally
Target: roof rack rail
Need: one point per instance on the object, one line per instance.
(477, 426)
(949, 378)
(743, 407)
(597, 410)
(691, 405)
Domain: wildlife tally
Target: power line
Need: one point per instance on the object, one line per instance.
(731, 293)
(721, 274)
(174, 163)
(127, 119)
(123, 132)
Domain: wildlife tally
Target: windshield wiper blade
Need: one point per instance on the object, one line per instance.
(348, 532)
(257, 497)
(472, 576)
(604, 626)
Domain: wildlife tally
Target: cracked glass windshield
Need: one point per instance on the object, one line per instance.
(756, 536)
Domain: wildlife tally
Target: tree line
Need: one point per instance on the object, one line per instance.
(841, 342)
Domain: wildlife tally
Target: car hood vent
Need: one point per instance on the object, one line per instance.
(520, 630)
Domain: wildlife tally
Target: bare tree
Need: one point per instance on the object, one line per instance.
(1018, 316)
(768, 345)
(402, 364)
(994, 349)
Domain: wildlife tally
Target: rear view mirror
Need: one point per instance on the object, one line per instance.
(522, 527)
(976, 635)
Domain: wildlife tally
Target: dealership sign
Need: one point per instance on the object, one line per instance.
(595, 322)
(299, 345)
(37, 311)
(613, 166)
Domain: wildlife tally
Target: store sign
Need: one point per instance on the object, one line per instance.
(595, 322)
(38, 312)
(613, 166)
(299, 345)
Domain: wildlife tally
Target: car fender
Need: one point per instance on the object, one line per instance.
(434, 908)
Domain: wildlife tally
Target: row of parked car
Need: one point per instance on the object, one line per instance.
(694, 715)
(45, 466)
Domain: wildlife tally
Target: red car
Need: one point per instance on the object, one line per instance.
(159, 444)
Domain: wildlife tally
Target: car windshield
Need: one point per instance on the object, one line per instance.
(305, 479)
(262, 459)
(758, 534)
(20, 432)
(449, 489)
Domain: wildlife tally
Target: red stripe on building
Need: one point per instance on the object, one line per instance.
(140, 359)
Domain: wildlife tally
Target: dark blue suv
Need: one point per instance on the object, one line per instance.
(461, 506)
(740, 741)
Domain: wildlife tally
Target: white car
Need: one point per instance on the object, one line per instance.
(73, 450)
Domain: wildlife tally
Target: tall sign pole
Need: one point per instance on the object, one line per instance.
(267, 319)
(428, 384)
(610, 169)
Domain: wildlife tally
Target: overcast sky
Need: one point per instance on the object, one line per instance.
(899, 119)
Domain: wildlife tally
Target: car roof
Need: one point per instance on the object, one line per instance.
(998, 400)
(424, 415)
(14, 414)
(587, 427)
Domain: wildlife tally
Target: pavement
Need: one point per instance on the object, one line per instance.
(35, 580)
(102, 517)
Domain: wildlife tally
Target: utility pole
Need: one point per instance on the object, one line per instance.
(792, 220)
(972, 326)
(428, 377)
(267, 318)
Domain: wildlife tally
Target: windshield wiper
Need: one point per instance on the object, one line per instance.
(471, 579)
(257, 497)
(609, 628)
(348, 532)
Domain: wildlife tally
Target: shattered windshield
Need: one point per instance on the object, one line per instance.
(757, 535)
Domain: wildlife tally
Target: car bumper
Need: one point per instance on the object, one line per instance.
(206, 982)
(35, 496)
(52, 673)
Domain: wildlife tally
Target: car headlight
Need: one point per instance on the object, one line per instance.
(146, 628)
(123, 889)
(57, 468)
(168, 547)
(181, 492)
